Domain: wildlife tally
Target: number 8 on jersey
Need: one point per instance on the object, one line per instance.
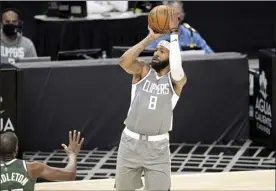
(152, 102)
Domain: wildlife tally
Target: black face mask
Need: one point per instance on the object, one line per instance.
(10, 29)
(160, 66)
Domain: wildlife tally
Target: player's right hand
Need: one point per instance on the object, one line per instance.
(154, 35)
(74, 143)
(174, 19)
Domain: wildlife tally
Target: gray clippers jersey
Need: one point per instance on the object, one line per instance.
(19, 48)
(152, 102)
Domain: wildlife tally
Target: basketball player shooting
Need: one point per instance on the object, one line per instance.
(20, 175)
(156, 87)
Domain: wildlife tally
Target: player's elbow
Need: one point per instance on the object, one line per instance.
(72, 176)
(177, 71)
(177, 74)
(185, 79)
(124, 62)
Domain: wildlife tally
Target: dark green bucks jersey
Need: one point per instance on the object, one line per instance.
(15, 177)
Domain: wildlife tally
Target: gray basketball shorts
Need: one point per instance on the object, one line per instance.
(138, 157)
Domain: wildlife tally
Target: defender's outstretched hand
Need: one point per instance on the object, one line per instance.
(74, 143)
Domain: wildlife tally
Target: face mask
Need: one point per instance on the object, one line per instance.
(10, 29)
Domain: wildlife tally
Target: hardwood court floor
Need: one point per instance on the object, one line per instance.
(186, 158)
(243, 180)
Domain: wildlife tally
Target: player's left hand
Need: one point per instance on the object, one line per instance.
(153, 34)
(174, 19)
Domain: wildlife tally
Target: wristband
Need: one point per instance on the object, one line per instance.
(174, 30)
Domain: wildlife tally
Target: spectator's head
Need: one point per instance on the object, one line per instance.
(10, 22)
(8, 145)
(178, 6)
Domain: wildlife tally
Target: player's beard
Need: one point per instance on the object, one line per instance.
(160, 65)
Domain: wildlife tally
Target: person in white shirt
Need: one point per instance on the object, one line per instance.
(94, 7)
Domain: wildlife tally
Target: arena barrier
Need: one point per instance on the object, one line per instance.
(93, 96)
(243, 180)
(8, 100)
(262, 128)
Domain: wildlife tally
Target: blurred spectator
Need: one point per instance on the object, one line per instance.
(13, 44)
(189, 38)
(94, 7)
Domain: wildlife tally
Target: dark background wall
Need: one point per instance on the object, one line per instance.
(226, 26)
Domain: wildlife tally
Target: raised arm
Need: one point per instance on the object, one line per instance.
(128, 60)
(179, 78)
(40, 170)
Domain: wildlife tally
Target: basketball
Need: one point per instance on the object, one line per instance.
(158, 19)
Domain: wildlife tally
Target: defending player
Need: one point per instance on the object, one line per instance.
(156, 87)
(21, 176)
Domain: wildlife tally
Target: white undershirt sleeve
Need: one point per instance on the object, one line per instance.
(177, 71)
